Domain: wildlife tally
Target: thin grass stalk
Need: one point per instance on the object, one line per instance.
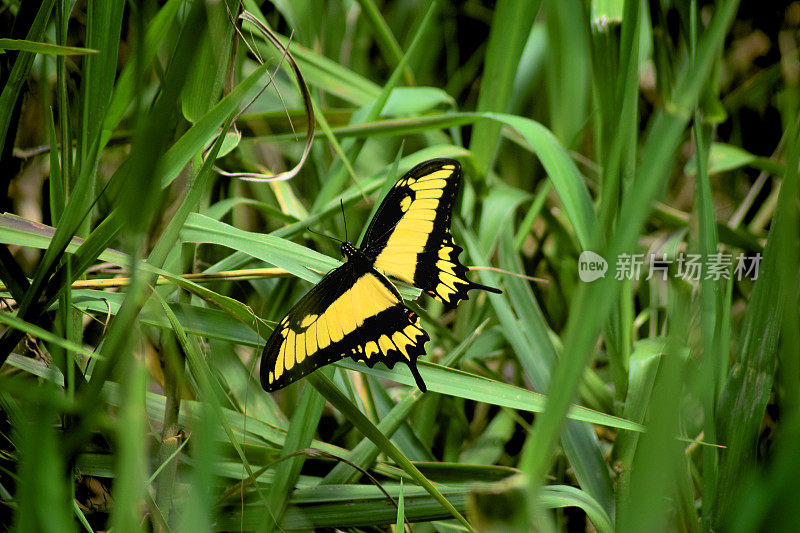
(710, 296)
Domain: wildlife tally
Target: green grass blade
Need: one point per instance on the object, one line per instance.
(386, 40)
(43, 48)
(511, 24)
(208, 72)
(125, 88)
(132, 456)
(19, 72)
(566, 67)
(41, 485)
(749, 383)
(714, 362)
(103, 27)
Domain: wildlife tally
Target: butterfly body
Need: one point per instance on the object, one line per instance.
(355, 310)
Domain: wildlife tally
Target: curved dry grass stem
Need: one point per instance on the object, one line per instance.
(272, 37)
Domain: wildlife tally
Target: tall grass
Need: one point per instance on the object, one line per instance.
(129, 391)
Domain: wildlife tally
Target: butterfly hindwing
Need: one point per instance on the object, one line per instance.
(354, 311)
(409, 236)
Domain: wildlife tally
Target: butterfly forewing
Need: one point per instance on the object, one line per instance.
(354, 311)
(409, 236)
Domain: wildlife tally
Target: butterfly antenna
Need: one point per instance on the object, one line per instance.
(323, 235)
(341, 203)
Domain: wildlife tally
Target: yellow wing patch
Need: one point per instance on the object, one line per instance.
(366, 298)
(408, 238)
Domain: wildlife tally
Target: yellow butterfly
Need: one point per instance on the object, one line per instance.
(355, 310)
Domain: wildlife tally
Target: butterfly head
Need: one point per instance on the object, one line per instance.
(348, 250)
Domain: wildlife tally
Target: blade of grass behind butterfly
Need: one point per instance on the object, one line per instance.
(210, 68)
(605, 21)
(353, 148)
(329, 391)
(617, 101)
(365, 452)
(219, 325)
(616, 142)
(299, 260)
(461, 384)
(535, 351)
(511, 25)
(566, 69)
(392, 126)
